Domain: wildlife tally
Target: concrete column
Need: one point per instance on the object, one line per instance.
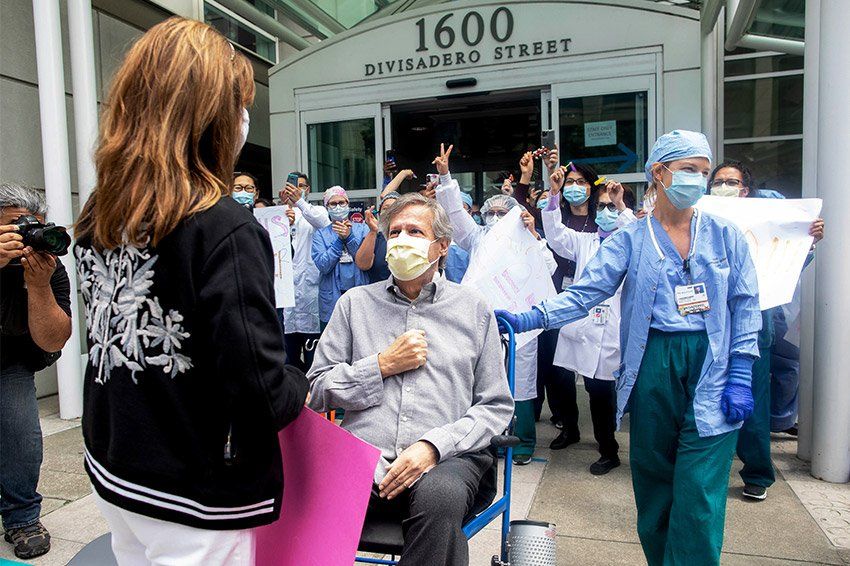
(831, 390)
(810, 190)
(57, 182)
(85, 93)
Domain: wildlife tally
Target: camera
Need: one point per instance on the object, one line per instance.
(48, 238)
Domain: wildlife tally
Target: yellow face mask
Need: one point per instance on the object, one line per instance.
(725, 190)
(407, 256)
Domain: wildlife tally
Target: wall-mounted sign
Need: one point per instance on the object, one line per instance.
(597, 134)
(461, 40)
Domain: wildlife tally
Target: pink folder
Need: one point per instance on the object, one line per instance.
(328, 474)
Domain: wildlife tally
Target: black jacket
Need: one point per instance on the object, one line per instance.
(185, 387)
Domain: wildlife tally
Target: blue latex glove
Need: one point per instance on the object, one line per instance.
(737, 401)
(522, 322)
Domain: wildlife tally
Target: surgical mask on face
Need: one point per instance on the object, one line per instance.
(575, 194)
(338, 212)
(607, 219)
(541, 204)
(478, 219)
(490, 220)
(685, 189)
(243, 131)
(407, 256)
(725, 190)
(243, 197)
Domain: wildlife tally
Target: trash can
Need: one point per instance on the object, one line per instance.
(532, 543)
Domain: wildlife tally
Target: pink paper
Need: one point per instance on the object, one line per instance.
(328, 476)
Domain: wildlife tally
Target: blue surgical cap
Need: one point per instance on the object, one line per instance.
(466, 198)
(678, 144)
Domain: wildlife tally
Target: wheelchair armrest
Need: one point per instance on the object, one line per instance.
(504, 441)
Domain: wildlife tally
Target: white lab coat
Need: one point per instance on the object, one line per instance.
(304, 316)
(468, 235)
(586, 347)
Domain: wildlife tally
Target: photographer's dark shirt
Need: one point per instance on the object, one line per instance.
(16, 345)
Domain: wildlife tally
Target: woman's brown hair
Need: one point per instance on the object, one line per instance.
(169, 134)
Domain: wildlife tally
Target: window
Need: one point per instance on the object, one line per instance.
(342, 153)
(763, 117)
(607, 131)
(240, 31)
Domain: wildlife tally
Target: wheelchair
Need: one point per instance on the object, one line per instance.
(385, 537)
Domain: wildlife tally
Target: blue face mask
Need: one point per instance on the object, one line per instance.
(575, 194)
(541, 204)
(607, 219)
(243, 197)
(686, 189)
(338, 212)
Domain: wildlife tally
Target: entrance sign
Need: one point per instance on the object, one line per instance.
(276, 223)
(600, 133)
(778, 234)
(509, 269)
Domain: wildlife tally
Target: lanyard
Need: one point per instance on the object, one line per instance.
(686, 262)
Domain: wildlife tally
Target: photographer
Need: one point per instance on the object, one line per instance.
(35, 323)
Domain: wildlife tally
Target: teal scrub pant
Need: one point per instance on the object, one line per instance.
(680, 479)
(525, 428)
(754, 437)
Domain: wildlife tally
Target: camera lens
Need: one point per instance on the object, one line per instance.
(51, 239)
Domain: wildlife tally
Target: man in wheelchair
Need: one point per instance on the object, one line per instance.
(416, 364)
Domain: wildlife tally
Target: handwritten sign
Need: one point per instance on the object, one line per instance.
(510, 270)
(777, 232)
(276, 223)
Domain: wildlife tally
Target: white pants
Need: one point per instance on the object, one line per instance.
(142, 541)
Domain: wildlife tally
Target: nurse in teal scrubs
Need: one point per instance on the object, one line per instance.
(689, 327)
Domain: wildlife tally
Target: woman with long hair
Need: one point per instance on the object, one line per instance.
(185, 389)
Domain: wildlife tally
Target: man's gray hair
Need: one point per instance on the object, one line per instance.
(441, 224)
(13, 195)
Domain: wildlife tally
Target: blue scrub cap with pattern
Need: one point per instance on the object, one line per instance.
(678, 144)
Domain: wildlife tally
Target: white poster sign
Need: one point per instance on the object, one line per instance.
(509, 269)
(777, 231)
(597, 134)
(274, 220)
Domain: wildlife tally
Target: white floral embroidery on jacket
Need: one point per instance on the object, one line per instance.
(126, 327)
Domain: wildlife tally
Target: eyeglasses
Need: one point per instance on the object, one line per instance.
(247, 188)
(580, 182)
(728, 182)
(609, 205)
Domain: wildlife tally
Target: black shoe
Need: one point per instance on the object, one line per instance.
(791, 431)
(564, 439)
(522, 459)
(30, 541)
(755, 491)
(604, 465)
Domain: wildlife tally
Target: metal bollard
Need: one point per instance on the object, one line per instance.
(532, 543)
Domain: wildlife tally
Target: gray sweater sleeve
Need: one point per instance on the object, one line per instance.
(492, 405)
(337, 381)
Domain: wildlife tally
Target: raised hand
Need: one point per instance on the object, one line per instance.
(290, 213)
(556, 181)
(615, 191)
(528, 220)
(11, 244)
(526, 168)
(552, 159)
(370, 220)
(816, 230)
(342, 229)
(442, 160)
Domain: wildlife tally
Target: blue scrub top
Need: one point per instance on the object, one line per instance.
(379, 271)
(665, 313)
(720, 258)
(336, 278)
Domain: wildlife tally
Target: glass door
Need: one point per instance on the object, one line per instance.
(607, 124)
(344, 146)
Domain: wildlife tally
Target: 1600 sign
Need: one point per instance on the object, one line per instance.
(472, 29)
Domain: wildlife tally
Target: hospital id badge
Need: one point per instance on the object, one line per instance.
(345, 257)
(599, 314)
(692, 299)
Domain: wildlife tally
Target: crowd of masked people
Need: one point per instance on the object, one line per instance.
(191, 370)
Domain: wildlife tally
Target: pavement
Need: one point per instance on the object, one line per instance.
(802, 521)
